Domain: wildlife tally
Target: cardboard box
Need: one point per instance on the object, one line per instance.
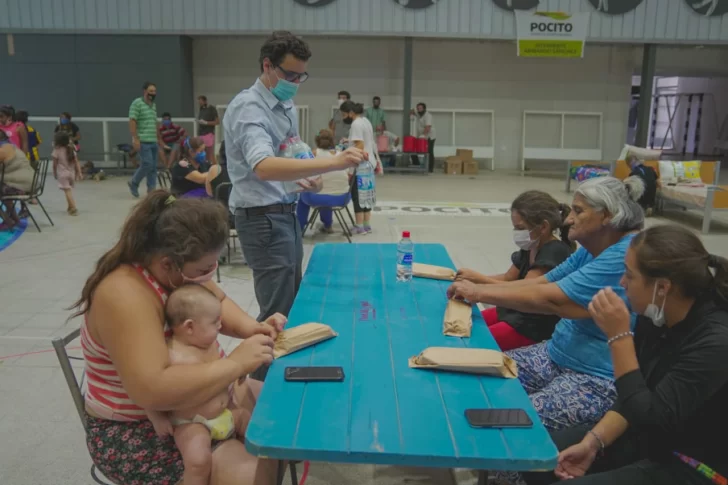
(464, 154)
(470, 167)
(453, 166)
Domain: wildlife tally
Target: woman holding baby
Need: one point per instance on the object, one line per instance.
(127, 346)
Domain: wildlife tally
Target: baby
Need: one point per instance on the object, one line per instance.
(193, 314)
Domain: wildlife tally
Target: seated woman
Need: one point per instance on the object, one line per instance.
(17, 178)
(570, 378)
(165, 244)
(188, 174)
(335, 191)
(671, 373)
(535, 216)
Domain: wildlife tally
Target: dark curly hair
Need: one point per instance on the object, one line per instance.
(280, 44)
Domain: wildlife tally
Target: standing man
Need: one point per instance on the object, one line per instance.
(337, 125)
(425, 130)
(172, 136)
(256, 122)
(208, 120)
(145, 138)
(376, 116)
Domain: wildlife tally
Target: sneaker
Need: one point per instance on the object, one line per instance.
(326, 230)
(134, 190)
(73, 212)
(358, 230)
(368, 229)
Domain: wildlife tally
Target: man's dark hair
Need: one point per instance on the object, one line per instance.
(351, 106)
(279, 45)
(67, 115)
(202, 97)
(166, 115)
(146, 85)
(424, 106)
(376, 98)
(344, 93)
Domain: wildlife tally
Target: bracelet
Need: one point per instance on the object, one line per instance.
(599, 440)
(619, 336)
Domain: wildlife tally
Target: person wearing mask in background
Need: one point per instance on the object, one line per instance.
(425, 130)
(172, 136)
(65, 125)
(208, 120)
(189, 176)
(335, 190)
(145, 138)
(671, 373)
(255, 124)
(14, 129)
(17, 180)
(376, 116)
(337, 125)
(34, 139)
(361, 136)
(536, 216)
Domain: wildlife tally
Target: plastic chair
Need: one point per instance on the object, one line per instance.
(59, 344)
(36, 190)
(222, 194)
(337, 211)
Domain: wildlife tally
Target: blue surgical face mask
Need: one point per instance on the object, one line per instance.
(284, 90)
(167, 122)
(201, 158)
(64, 121)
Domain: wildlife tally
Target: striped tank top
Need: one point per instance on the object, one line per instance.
(105, 395)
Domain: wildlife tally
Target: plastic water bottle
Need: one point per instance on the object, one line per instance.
(405, 253)
(294, 147)
(365, 185)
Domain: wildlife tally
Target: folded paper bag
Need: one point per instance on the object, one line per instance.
(458, 320)
(471, 361)
(433, 272)
(300, 337)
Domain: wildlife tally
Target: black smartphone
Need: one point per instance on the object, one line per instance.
(314, 374)
(498, 418)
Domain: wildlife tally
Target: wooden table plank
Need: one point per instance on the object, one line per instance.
(384, 412)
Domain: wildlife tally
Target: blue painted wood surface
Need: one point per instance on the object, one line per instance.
(384, 412)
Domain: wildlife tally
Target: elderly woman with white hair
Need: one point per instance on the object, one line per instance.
(570, 378)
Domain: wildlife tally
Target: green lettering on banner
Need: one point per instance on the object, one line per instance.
(550, 48)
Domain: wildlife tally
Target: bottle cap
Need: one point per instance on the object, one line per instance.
(405, 234)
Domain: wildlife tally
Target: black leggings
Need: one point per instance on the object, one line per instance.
(621, 464)
(355, 199)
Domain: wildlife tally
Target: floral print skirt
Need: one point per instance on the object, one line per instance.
(131, 453)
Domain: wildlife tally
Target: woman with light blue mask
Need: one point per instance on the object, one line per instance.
(570, 378)
(189, 173)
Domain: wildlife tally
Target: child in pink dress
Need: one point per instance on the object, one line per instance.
(66, 168)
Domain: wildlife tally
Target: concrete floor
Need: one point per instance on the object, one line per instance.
(42, 274)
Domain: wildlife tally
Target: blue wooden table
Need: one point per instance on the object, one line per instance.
(384, 412)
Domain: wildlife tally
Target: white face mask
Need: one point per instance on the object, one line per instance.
(340, 102)
(522, 239)
(657, 315)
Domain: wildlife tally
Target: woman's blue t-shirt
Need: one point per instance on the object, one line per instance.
(579, 344)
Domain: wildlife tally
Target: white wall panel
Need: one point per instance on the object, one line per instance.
(665, 21)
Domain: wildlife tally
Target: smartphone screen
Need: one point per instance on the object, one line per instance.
(314, 374)
(498, 418)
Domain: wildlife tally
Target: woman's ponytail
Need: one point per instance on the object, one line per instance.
(136, 243)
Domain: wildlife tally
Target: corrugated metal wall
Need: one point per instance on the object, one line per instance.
(653, 21)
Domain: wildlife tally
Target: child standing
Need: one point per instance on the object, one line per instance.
(66, 168)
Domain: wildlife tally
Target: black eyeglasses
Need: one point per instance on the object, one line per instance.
(292, 76)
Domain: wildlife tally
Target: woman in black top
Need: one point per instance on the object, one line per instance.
(189, 173)
(536, 216)
(671, 375)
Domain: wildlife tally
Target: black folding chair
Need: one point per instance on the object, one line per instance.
(222, 194)
(59, 344)
(36, 190)
(337, 211)
(164, 178)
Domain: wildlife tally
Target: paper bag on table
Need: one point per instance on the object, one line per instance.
(433, 272)
(472, 361)
(300, 337)
(458, 320)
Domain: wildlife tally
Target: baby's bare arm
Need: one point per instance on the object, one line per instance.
(161, 422)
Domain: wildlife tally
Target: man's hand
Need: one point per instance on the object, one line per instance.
(351, 157)
(135, 143)
(463, 290)
(311, 184)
